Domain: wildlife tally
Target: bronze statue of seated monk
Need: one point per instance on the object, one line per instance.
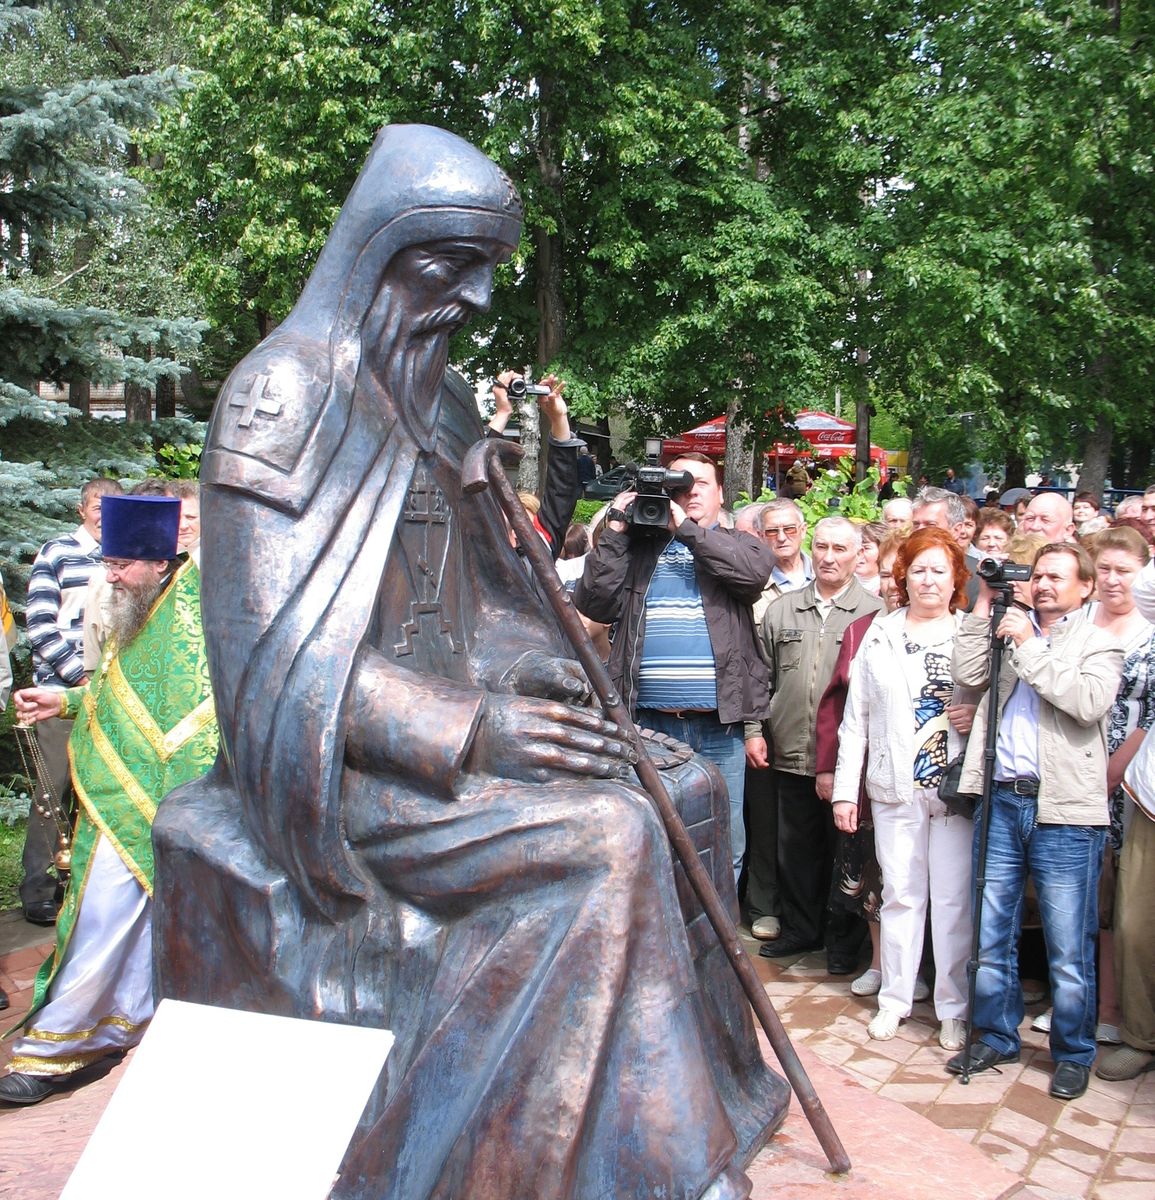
(413, 822)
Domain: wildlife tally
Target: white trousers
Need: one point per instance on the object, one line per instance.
(925, 854)
(101, 998)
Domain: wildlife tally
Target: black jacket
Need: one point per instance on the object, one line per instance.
(732, 569)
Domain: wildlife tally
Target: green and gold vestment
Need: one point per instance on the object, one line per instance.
(145, 724)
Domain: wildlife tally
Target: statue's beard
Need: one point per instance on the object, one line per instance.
(128, 611)
(416, 377)
(409, 356)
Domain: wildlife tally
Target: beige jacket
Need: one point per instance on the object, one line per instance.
(1076, 672)
(802, 649)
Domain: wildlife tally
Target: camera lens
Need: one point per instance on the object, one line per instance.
(651, 510)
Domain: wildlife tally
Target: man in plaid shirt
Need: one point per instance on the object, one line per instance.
(54, 622)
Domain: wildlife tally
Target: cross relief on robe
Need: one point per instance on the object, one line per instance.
(424, 533)
(256, 399)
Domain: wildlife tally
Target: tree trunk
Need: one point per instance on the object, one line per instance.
(600, 446)
(193, 394)
(80, 395)
(529, 475)
(165, 397)
(914, 458)
(549, 246)
(1096, 457)
(861, 405)
(1015, 474)
(862, 411)
(739, 475)
(137, 402)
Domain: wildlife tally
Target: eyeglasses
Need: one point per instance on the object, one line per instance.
(117, 564)
(780, 531)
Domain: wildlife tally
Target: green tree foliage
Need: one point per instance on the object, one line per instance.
(67, 208)
(734, 205)
(655, 268)
(1015, 237)
(60, 146)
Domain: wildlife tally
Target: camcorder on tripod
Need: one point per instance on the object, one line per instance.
(1000, 577)
(1000, 574)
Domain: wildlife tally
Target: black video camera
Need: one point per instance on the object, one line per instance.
(1001, 574)
(518, 389)
(651, 509)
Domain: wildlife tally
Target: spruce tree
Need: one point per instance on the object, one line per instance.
(66, 192)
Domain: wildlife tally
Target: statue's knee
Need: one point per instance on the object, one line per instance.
(625, 829)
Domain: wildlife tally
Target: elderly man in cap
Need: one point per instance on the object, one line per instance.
(143, 724)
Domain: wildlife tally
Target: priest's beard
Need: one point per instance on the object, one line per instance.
(128, 610)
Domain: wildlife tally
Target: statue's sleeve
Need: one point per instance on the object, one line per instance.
(291, 566)
(414, 725)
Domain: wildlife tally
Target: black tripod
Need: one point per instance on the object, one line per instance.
(1002, 600)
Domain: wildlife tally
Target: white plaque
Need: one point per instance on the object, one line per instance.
(220, 1103)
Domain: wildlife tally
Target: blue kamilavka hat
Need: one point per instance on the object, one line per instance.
(139, 527)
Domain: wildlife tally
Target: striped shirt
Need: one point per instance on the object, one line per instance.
(54, 619)
(676, 670)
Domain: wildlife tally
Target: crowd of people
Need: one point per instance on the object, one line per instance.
(856, 674)
(831, 686)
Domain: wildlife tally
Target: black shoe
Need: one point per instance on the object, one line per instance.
(43, 912)
(18, 1088)
(787, 945)
(3, 999)
(1070, 1081)
(841, 964)
(982, 1058)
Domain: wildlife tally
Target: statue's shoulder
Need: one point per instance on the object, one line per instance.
(277, 422)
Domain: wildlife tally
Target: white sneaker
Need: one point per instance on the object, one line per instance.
(921, 989)
(1042, 1023)
(951, 1033)
(766, 929)
(868, 983)
(884, 1026)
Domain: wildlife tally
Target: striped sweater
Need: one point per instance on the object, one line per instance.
(55, 614)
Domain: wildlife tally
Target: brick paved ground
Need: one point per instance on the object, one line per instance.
(912, 1131)
(1101, 1146)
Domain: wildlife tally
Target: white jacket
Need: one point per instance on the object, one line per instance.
(878, 720)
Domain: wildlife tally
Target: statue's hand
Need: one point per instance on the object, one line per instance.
(521, 737)
(537, 673)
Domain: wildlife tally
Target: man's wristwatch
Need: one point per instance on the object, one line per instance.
(616, 514)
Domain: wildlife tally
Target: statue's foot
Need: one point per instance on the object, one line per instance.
(732, 1184)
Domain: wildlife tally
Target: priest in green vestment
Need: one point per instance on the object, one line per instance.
(144, 724)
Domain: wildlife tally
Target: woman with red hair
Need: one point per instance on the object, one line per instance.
(900, 708)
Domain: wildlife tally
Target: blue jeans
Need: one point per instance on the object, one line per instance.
(1064, 861)
(724, 746)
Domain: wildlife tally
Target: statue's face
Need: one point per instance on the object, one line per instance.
(446, 282)
(428, 293)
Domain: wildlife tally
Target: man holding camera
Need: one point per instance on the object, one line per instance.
(1048, 806)
(684, 655)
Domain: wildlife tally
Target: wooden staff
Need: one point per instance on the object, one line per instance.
(481, 470)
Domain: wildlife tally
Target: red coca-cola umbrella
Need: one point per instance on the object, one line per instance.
(829, 437)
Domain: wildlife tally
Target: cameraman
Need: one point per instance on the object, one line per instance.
(684, 655)
(1048, 806)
